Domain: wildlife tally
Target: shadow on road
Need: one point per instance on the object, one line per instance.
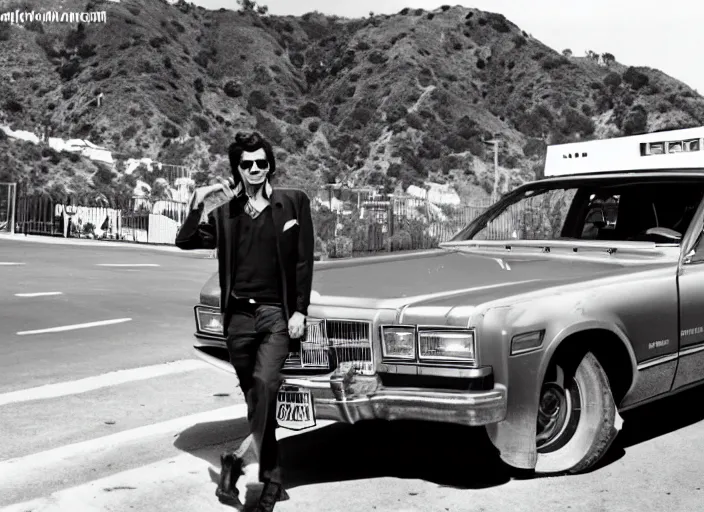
(446, 455)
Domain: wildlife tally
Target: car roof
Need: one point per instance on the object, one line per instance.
(665, 152)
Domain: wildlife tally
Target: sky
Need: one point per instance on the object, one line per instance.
(653, 33)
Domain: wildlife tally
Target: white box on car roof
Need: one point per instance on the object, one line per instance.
(673, 149)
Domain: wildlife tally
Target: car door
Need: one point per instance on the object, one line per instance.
(690, 368)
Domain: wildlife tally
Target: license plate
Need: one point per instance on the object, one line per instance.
(294, 408)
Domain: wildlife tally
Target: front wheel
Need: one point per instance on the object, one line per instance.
(577, 417)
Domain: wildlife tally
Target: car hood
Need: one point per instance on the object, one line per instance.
(446, 277)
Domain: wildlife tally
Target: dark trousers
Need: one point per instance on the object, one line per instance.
(258, 342)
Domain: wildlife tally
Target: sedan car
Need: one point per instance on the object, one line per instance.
(570, 300)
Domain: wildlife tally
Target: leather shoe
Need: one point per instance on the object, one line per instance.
(271, 493)
(230, 472)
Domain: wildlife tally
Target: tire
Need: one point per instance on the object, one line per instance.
(578, 436)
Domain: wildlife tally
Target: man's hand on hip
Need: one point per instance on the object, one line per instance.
(296, 325)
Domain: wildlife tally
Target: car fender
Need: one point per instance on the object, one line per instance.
(523, 374)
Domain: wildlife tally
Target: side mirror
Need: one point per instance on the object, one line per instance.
(668, 233)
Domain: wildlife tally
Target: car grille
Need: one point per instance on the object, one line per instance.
(332, 344)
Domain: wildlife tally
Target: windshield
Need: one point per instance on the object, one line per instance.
(616, 209)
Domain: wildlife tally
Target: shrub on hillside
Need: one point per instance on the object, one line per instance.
(534, 147)
(70, 68)
(233, 89)
(414, 121)
(5, 31)
(636, 122)
(377, 57)
(201, 124)
(554, 62)
(456, 143)
(170, 131)
(576, 122)
(257, 99)
(635, 78)
(395, 112)
(499, 23)
(309, 109)
(360, 116)
(612, 80)
(430, 148)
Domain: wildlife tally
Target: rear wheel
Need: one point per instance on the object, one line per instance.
(577, 417)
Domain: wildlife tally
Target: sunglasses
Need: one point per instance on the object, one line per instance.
(247, 164)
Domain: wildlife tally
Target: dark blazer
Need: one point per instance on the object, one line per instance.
(295, 246)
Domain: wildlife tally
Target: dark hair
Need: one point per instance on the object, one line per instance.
(249, 142)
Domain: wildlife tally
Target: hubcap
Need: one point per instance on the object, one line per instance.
(558, 413)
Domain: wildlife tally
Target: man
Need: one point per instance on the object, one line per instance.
(265, 242)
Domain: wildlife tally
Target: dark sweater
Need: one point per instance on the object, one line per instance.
(257, 275)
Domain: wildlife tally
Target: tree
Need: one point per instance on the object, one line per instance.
(612, 80)
(567, 52)
(608, 58)
(636, 122)
(592, 55)
(252, 6)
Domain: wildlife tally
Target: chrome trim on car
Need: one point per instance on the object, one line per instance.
(314, 353)
(470, 408)
(350, 343)
(693, 349)
(656, 361)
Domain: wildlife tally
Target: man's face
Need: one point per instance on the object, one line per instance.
(253, 167)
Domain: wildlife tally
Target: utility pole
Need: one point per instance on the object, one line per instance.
(495, 143)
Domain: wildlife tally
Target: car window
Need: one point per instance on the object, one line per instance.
(539, 216)
(608, 209)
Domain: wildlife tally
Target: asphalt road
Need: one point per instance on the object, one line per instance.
(103, 407)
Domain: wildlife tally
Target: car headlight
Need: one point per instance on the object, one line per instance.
(209, 320)
(398, 342)
(447, 345)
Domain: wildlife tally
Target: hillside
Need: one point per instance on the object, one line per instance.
(385, 100)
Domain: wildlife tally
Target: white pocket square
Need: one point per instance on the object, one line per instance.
(290, 224)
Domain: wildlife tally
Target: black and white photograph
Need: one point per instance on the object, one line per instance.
(370, 256)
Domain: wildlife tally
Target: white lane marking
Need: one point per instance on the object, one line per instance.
(101, 381)
(75, 326)
(17, 470)
(9, 263)
(38, 294)
(128, 265)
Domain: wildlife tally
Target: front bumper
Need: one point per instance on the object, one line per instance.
(333, 402)
(336, 400)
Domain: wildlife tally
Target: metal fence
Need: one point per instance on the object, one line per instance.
(134, 220)
(393, 224)
(359, 225)
(8, 192)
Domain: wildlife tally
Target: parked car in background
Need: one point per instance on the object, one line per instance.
(570, 300)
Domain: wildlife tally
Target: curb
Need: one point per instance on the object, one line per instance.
(96, 243)
(318, 265)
